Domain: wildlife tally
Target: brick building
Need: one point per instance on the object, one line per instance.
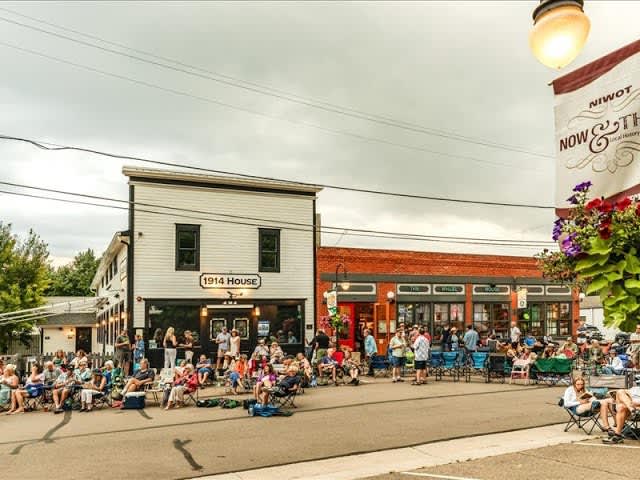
(384, 287)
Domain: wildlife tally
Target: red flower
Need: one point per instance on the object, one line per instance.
(605, 207)
(638, 209)
(623, 204)
(595, 203)
(605, 233)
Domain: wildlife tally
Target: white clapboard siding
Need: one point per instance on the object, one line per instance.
(225, 247)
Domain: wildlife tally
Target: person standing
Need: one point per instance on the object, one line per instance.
(320, 342)
(187, 344)
(222, 340)
(370, 350)
(397, 346)
(123, 351)
(454, 340)
(170, 345)
(514, 333)
(421, 351)
(446, 339)
(234, 344)
(138, 349)
(471, 339)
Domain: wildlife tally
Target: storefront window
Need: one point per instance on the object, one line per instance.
(284, 323)
(446, 315)
(491, 318)
(531, 320)
(414, 314)
(558, 319)
(180, 317)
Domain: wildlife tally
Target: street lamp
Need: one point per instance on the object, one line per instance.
(560, 30)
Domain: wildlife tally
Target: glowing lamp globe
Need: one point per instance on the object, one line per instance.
(560, 30)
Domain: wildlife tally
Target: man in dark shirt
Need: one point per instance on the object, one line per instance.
(286, 386)
(142, 377)
(321, 340)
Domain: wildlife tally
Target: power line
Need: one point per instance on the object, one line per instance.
(234, 222)
(58, 147)
(280, 222)
(256, 87)
(219, 103)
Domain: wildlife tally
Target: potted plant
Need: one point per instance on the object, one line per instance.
(599, 245)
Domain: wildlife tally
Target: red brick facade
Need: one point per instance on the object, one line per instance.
(388, 263)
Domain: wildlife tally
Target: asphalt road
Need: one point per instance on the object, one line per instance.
(329, 422)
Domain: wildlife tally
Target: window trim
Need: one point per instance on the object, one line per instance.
(261, 233)
(186, 227)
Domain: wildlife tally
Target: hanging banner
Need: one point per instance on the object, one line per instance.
(332, 302)
(522, 297)
(597, 119)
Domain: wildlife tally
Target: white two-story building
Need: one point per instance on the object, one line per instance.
(202, 252)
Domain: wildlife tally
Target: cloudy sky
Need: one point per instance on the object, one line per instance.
(457, 67)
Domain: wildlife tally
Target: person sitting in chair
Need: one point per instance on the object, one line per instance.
(186, 382)
(627, 404)
(51, 373)
(266, 380)
(614, 365)
(32, 388)
(289, 384)
(8, 383)
(93, 388)
(142, 377)
(351, 367)
(64, 387)
(580, 401)
(204, 367)
(327, 365)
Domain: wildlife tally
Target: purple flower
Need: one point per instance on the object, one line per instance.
(582, 187)
(573, 199)
(557, 229)
(569, 247)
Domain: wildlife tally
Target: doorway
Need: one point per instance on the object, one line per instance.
(238, 319)
(83, 339)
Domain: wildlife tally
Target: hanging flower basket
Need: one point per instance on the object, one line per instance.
(599, 244)
(337, 322)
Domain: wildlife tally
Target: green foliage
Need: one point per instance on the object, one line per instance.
(598, 254)
(24, 277)
(75, 278)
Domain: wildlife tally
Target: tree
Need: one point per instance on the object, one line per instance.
(75, 278)
(24, 277)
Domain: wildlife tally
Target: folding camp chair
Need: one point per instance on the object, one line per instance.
(496, 367)
(586, 421)
(520, 370)
(631, 427)
(285, 400)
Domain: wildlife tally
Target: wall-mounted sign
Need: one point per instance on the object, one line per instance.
(414, 289)
(263, 328)
(448, 289)
(533, 289)
(230, 280)
(522, 297)
(356, 289)
(491, 290)
(558, 290)
(332, 302)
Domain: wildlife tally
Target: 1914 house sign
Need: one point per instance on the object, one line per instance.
(230, 280)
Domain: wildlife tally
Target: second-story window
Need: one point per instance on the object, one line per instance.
(269, 250)
(187, 247)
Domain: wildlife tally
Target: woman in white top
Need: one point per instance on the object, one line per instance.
(234, 348)
(576, 398)
(170, 345)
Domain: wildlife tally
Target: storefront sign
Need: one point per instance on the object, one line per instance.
(332, 302)
(491, 290)
(558, 290)
(448, 289)
(230, 280)
(263, 328)
(411, 289)
(533, 289)
(597, 118)
(522, 297)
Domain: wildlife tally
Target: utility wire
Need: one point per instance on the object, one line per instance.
(58, 147)
(234, 222)
(219, 103)
(339, 230)
(255, 87)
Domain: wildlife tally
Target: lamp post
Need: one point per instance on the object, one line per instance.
(345, 286)
(560, 30)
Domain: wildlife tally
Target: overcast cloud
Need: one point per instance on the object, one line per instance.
(463, 67)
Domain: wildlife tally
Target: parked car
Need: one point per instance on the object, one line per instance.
(587, 333)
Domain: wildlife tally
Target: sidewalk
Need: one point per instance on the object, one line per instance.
(403, 459)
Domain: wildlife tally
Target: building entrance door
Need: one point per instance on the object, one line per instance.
(83, 339)
(239, 320)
